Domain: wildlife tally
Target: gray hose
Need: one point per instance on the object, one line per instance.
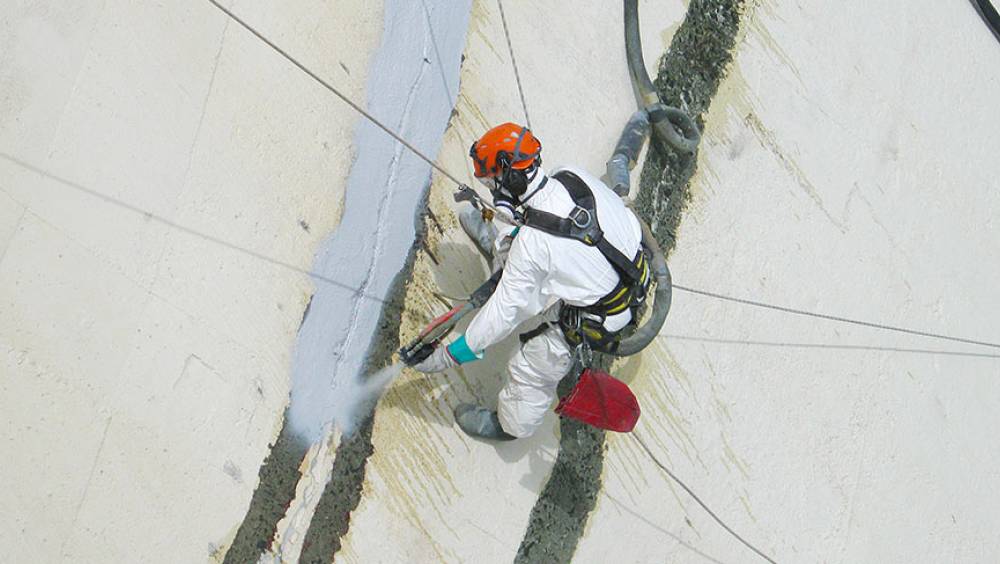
(645, 334)
(672, 125)
(627, 152)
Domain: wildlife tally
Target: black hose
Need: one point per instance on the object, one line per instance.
(633, 52)
(989, 14)
(645, 334)
(672, 125)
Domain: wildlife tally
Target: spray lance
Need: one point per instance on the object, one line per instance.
(432, 335)
(429, 339)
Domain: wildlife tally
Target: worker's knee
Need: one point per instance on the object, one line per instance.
(542, 360)
(521, 408)
(520, 416)
(533, 374)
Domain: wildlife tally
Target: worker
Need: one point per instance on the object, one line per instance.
(583, 276)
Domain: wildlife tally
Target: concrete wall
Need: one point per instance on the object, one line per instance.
(848, 167)
(164, 180)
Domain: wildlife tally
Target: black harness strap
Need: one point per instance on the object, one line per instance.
(582, 225)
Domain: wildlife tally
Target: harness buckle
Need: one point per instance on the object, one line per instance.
(573, 317)
(577, 213)
(584, 354)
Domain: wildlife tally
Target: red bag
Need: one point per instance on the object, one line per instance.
(601, 400)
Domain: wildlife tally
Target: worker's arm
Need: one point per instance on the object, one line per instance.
(516, 299)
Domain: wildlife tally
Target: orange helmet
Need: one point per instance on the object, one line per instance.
(506, 146)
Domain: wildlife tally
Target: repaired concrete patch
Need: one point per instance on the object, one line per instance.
(343, 492)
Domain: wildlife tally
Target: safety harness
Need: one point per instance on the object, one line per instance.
(585, 325)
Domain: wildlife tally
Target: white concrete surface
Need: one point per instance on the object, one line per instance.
(146, 365)
(849, 167)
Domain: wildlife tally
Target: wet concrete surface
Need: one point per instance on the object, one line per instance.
(343, 492)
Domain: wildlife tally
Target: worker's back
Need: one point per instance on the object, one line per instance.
(579, 274)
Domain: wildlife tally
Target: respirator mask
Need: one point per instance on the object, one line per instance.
(505, 202)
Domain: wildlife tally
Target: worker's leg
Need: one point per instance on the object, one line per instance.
(532, 377)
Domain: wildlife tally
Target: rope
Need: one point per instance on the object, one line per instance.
(698, 499)
(336, 92)
(513, 62)
(836, 318)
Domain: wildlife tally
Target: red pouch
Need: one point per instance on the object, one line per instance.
(601, 400)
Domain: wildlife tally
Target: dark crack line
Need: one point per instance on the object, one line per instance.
(342, 493)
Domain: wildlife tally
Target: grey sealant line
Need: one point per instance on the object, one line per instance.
(513, 63)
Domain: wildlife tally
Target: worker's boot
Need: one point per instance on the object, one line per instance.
(483, 233)
(480, 422)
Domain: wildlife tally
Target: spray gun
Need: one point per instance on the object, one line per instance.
(432, 335)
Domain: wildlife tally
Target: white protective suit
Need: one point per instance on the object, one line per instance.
(540, 270)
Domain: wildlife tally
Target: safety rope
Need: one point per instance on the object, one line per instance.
(698, 499)
(336, 92)
(835, 318)
(513, 62)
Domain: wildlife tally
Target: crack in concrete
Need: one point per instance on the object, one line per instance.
(342, 493)
(278, 477)
(86, 488)
(17, 225)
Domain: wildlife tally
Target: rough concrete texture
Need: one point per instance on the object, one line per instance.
(277, 479)
(560, 515)
(689, 76)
